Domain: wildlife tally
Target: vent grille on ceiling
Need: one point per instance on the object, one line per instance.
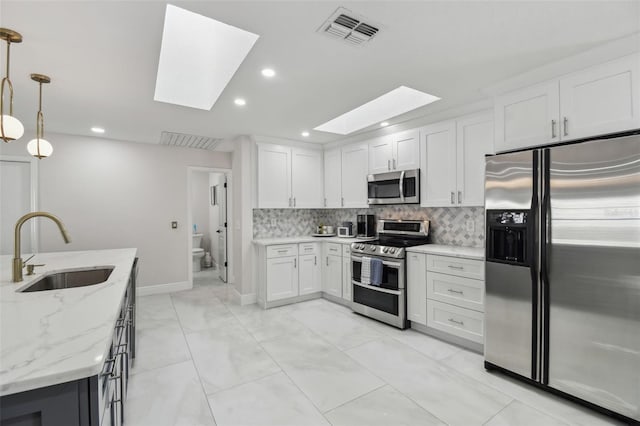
(189, 141)
(349, 26)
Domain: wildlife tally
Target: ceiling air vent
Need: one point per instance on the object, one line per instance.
(350, 27)
(189, 141)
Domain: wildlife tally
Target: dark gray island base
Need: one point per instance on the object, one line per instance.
(91, 401)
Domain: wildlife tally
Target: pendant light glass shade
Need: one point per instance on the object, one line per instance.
(39, 148)
(10, 127)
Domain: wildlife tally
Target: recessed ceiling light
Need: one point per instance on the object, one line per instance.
(384, 124)
(97, 130)
(268, 72)
(305, 134)
(198, 58)
(240, 102)
(391, 104)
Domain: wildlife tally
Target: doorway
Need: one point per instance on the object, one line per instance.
(19, 189)
(209, 221)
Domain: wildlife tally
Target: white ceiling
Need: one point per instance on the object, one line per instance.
(102, 57)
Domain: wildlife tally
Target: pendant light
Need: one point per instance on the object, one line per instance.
(10, 127)
(39, 147)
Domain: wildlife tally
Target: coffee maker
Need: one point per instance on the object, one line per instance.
(366, 226)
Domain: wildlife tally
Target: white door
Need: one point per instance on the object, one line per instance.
(306, 178)
(406, 150)
(274, 176)
(309, 274)
(18, 199)
(333, 178)
(439, 165)
(332, 275)
(527, 117)
(221, 198)
(601, 99)
(417, 288)
(346, 278)
(474, 136)
(282, 278)
(380, 155)
(355, 168)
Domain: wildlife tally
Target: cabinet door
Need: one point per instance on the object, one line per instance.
(417, 288)
(380, 155)
(439, 165)
(332, 275)
(355, 168)
(306, 178)
(527, 117)
(474, 136)
(346, 278)
(309, 274)
(282, 278)
(406, 150)
(274, 176)
(333, 178)
(601, 99)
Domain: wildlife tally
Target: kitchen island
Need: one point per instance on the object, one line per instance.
(74, 340)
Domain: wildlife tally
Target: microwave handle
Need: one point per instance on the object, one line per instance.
(401, 184)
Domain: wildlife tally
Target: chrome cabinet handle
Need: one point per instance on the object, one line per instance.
(459, 197)
(295, 263)
(327, 260)
(553, 129)
(315, 260)
(342, 201)
(388, 164)
(394, 164)
(450, 290)
(452, 198)
(565, 121)
(294, 201)
(283, 251)
(456, 322)
(455, 267)
(325, 202)
(289, 201)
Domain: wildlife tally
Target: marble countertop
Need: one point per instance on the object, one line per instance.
(308, 239)
(476, 253)
(55, 336)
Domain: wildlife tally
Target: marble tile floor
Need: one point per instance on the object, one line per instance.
(204, 360)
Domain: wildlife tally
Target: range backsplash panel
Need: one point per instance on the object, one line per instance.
(448, 224)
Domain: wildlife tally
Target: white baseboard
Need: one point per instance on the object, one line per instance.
(247, 299)
(163, 288)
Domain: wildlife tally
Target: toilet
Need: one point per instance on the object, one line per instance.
(197, 252)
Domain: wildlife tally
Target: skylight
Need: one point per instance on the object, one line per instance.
(396, 102)
(198, 58)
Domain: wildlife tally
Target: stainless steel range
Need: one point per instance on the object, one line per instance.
(386, 301)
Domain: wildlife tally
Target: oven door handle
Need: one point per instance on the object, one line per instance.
(395, 265)
(380, 289)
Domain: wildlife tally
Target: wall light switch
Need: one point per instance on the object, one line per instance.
(470, 225)
(174, 225)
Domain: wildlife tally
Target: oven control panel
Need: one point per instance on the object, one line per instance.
(377, 250)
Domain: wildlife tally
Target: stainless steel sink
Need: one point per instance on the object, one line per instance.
(70, 279)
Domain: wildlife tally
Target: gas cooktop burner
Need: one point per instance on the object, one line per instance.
(394, 237)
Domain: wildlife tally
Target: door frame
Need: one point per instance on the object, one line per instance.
(188, 230)
(33, 196)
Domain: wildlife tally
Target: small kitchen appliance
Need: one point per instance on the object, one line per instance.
(366, 226)
(345, 230)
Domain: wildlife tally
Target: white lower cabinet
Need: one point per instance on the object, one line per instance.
(454, 320)
(282, 277)
(332, 275)
(417, 288)
(309, 274)
(346, 279)
(291, 270)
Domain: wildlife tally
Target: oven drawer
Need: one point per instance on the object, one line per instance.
(334, 249)
(460, 322)
(456, 266)
(308, 248)
(388, 301)
(464, 292)
(282, 250)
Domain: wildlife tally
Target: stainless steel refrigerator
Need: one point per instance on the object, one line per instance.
(563, 269)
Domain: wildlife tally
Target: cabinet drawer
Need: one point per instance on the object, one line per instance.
(464, 292)
(456, 266)
(460, 322)
(282, 250)
(346, 250)
(308, 248)
(334, 249)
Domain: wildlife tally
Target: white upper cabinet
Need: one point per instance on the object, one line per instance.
(306, 178)
(274, 176)
(333, 178)
(438, 174)
(453, 161)
(602, 99)
(400, 151)
(289, 177)
(355, 167)
(527, 117)
(474, 136)
(598, 100)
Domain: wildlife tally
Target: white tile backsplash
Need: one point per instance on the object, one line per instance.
(461, 226)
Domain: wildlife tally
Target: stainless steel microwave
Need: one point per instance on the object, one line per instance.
(401, 187)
